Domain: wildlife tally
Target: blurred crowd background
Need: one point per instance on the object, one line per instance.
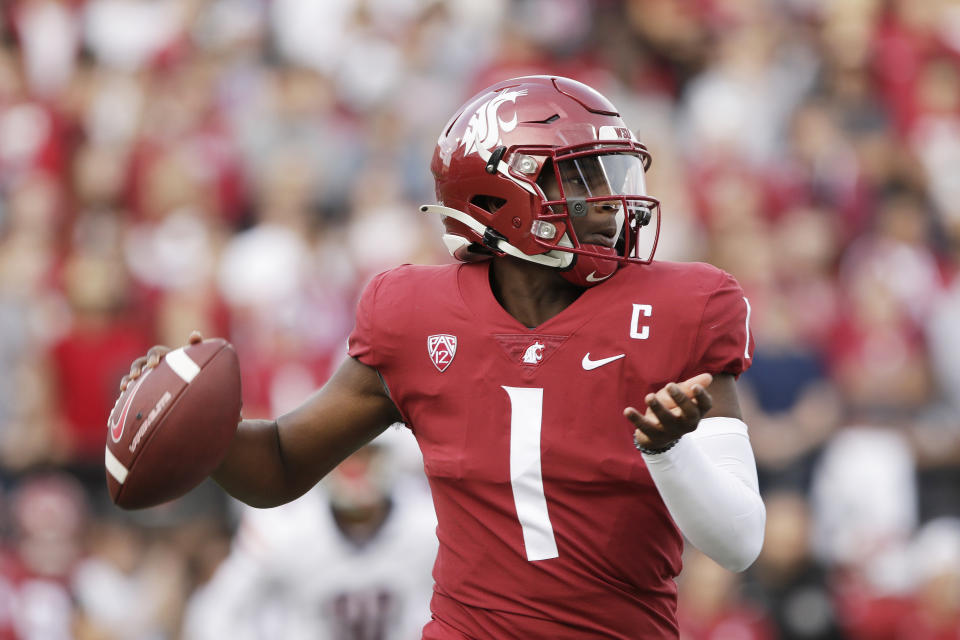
(242, 167)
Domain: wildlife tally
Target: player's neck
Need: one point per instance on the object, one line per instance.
(529, 292)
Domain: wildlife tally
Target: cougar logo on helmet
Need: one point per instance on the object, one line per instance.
(485, 126)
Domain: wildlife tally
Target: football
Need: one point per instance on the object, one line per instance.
(172, 426)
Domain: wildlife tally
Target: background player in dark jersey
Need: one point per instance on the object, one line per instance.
(520, 370)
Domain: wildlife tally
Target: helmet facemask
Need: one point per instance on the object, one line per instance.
(575, 181)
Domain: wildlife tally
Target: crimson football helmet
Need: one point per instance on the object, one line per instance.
(523, 159)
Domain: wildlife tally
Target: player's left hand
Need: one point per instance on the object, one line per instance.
(672, 411)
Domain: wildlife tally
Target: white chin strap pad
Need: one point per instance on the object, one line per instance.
(457, 246)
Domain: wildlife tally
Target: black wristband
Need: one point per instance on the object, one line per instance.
(652, 452)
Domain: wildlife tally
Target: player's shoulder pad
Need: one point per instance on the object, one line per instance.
(692, 278)
(397, 289)
(418, 275)
(420, 272)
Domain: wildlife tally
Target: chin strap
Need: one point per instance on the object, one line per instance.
(556, 259)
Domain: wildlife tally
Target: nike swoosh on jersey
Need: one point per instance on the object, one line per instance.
(589, 364)
(591, 278)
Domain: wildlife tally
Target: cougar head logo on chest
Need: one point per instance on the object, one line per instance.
(534, 353)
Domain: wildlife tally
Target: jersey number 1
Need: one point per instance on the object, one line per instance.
(526, 479)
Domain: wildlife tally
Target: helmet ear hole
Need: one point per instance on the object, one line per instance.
(489, 204)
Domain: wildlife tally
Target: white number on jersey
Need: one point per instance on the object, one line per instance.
(526, 478)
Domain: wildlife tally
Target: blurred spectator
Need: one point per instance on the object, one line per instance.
(753, 85)
(889, 280)
(286, 318)
(49, 38)
(95, 351)
(787, 581)
(31, 137)
(48, 516)
(864, 505)
(31, 316)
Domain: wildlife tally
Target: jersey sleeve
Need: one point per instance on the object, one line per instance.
(724, 342)
(362, 343)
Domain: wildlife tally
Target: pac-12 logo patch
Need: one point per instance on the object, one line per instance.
(441, 347)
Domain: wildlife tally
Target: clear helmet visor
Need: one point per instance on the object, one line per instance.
(602, 175)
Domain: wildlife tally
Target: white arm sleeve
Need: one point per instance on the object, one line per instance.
(708, 481)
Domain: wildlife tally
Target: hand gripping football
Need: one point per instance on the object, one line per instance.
(172, 426)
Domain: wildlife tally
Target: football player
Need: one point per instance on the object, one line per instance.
(556, 381)
(350, 560)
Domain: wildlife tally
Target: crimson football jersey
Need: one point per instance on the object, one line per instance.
(550, 525)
